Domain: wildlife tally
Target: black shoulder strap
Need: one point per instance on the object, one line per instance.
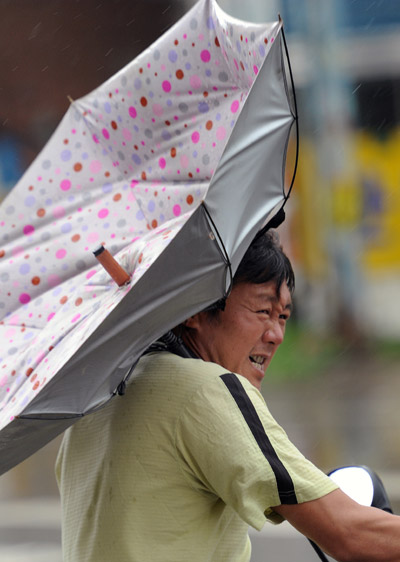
(172, 343)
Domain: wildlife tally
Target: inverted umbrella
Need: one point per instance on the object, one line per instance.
(174, 164)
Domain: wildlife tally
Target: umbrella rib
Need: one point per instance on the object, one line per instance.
(222, 247)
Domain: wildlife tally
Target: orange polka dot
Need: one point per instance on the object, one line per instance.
(35, 280)
(241, 65)
(114, 125)
(154, 223)
(205, 94)
(2, 253)
(117, 197)
(31, 188)
(33, 377)
(176, 42)
(140, 259)
(189, 199)
(29, 371)
(66, 141)
(168, 123)
(266, 41)
(63, 299)
(143, 176)
(36, 385)
(209, 125)
(76, 237)
(179, 74)
(143, 101)
(41, 212)
(173, 152)
(190, 174)
(141, 70)
(216, 42)
(78, 167)
(78, 301)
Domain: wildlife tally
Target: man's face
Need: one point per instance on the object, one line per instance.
(245, 336)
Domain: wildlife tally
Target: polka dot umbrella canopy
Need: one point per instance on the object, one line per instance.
(173, 165)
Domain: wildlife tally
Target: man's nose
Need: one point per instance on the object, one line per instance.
(274, 333)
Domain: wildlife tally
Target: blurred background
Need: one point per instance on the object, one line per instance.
(334, 384)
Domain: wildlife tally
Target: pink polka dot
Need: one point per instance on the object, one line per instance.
(95, 138)
(205, 55)
(184, 160)
(235, 106)
(17, 251)
(158, 109)
(60, 254)
(65, 185)
(134, 183)
(24, 298)
(132, 112)
(236, 64)
(195, 137)
(95, 166)
(127, 134)
(50, 316)
(90, 273)
(177, 210)
(166, 86)
(221, 133)
(106, 134)
(59, 212)
(29, 229)
(195, 81)
(255, 68)
(75, 318)
(102, 213)
(92, 237)
(162, 163)
(53, 280)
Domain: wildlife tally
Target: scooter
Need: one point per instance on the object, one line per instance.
(364, 486)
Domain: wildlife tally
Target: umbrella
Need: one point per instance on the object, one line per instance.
(173, 164)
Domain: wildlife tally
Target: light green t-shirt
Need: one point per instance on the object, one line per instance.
(177, 469)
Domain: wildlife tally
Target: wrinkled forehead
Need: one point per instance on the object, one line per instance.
(264, 293)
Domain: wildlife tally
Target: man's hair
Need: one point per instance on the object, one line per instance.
(265, 261)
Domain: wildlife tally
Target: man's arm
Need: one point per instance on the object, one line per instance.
(346, 530)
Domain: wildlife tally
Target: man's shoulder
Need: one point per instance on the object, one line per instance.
(176, 366)
(193, 375)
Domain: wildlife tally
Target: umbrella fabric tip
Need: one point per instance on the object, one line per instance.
(113, 268)
(98, 250)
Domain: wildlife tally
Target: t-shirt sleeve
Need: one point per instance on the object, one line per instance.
(229, 444)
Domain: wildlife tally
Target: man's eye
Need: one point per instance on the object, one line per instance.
(284, 317)
(264, 311)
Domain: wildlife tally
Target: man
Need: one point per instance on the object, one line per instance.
(179, 467)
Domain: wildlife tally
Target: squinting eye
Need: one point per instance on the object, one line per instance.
(268, 312)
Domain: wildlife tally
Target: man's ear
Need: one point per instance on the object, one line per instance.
(196, 321)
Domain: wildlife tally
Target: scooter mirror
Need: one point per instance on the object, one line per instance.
(363, 485)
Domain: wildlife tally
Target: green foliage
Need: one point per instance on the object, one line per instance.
(303, 354)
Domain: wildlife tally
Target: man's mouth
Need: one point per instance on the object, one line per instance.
(258, 362)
